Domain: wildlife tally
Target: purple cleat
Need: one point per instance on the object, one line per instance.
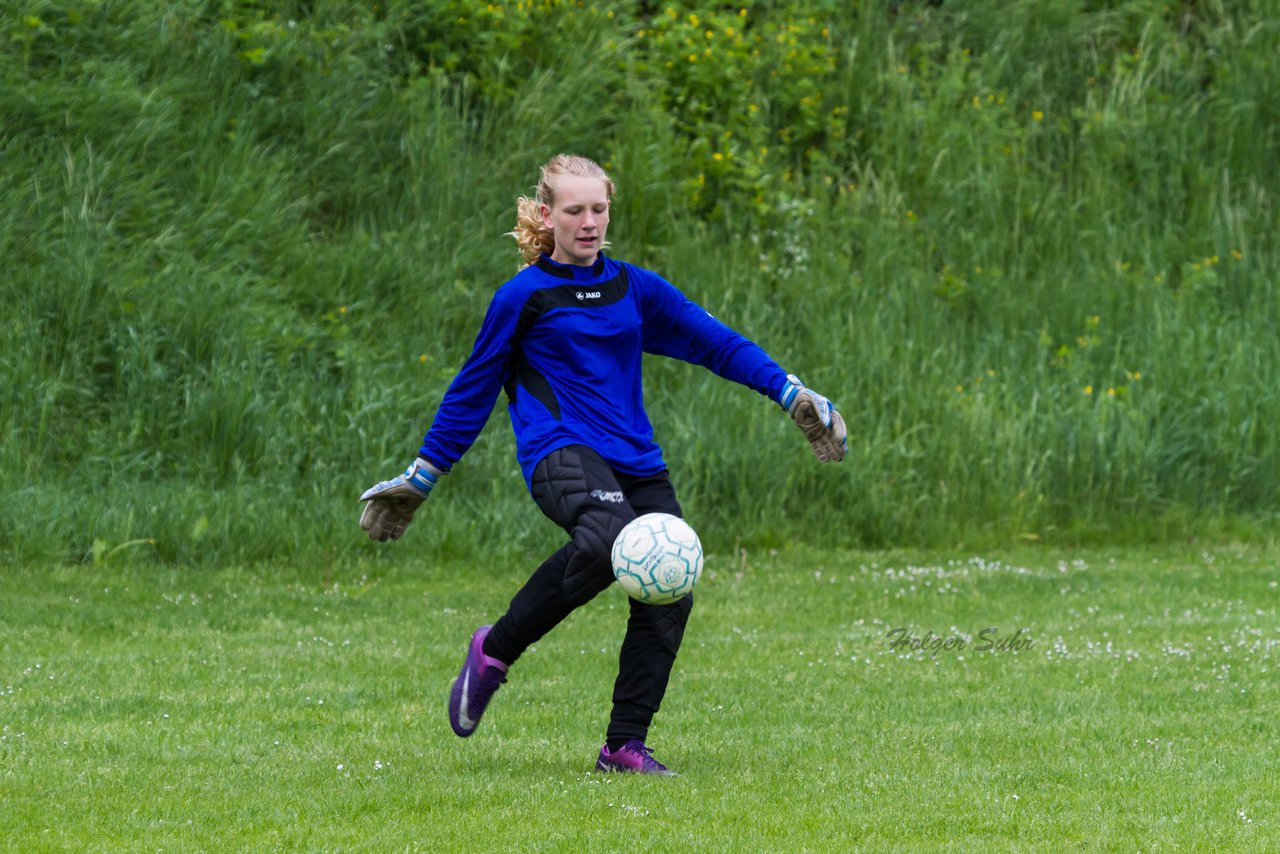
(632, 758)
(475, 686)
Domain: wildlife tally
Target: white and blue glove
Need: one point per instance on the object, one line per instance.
(818, 418)
(391, 504)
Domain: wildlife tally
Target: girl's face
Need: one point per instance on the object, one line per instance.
(578, 217)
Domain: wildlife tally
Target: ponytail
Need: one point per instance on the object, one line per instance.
(532, 237)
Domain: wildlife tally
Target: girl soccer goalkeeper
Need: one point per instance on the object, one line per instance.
(564, 338)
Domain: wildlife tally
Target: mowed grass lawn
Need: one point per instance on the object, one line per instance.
(1129, 701)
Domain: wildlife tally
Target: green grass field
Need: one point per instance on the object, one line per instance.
(303, 708)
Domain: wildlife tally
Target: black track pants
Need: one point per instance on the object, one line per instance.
(580, 492)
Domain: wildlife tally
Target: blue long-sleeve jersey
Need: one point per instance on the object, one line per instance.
(566, 342)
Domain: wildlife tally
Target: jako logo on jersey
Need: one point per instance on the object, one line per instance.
(611, 497)
(588, 295)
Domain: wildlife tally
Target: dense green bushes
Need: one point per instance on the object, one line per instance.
(1029, 248)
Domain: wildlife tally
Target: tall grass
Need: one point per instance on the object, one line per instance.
(1032, 254)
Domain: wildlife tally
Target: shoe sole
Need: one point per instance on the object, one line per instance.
(613, 769)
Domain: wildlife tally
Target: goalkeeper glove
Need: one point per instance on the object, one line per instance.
(391, 504)
(818, 418)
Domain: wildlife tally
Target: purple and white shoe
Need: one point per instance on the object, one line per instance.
(631, 758)
(475, 686)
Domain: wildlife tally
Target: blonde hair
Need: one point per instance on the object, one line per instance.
(532, 237)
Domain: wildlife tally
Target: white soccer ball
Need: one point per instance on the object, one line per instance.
(657, 558)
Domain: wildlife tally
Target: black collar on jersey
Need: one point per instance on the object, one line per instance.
(565, 271)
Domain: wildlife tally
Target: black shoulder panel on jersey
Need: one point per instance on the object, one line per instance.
(569, 296)
(576, 295)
